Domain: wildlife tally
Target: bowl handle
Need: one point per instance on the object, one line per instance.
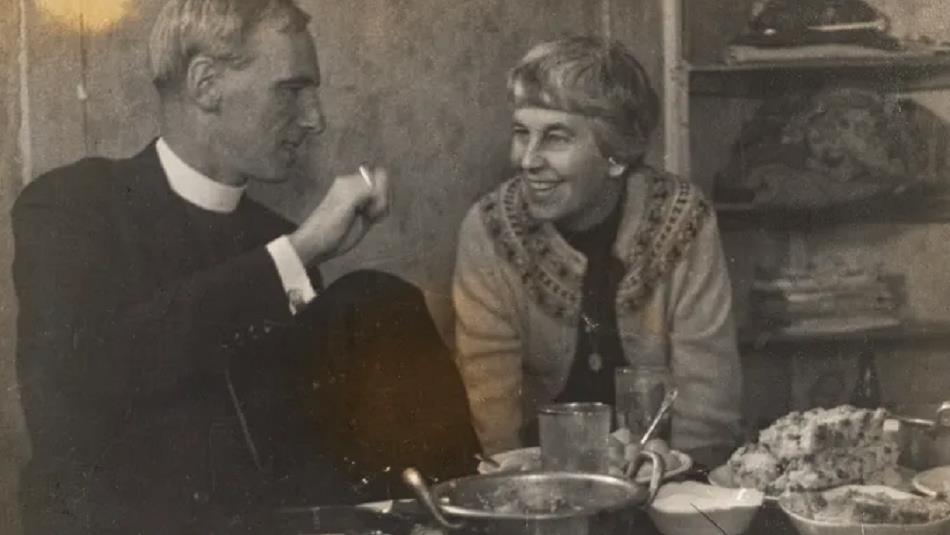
(414, 480)
(943, 414)
(656, 475)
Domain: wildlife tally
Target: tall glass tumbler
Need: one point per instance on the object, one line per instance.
(575, 437)
(639, 392)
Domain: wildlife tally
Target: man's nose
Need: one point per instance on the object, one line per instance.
(311, 113)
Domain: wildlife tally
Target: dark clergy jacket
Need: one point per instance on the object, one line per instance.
(144, 322)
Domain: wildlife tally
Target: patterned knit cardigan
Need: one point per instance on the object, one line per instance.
(517, 297)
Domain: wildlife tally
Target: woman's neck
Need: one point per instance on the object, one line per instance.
(602, 208)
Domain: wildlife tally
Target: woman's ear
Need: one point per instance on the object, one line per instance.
(202, 85)
(615, 169)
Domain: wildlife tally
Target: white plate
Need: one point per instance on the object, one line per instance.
(526, 459)
(722, 476)
(932, 481)
(807, 526)
(384, 506)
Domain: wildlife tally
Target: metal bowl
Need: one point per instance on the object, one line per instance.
(924, 435)
(536, 502)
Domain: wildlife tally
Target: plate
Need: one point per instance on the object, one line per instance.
(933, 481)
(808, 526)
(525, 459)
(722, 476)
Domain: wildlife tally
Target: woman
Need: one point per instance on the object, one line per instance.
(588, 259)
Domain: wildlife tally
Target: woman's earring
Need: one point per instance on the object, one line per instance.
(616, 168)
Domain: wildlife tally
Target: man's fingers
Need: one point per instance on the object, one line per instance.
(378, 205)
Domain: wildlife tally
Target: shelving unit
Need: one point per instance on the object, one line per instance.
(921, 204)
(911, 333)
(769, 78)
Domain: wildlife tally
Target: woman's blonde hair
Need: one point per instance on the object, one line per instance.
(595, 78)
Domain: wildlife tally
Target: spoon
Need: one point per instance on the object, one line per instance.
(664, 408)
(709, 518)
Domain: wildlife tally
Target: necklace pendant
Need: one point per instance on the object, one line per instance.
(595, 362)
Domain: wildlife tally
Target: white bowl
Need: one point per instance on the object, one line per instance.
(933, 481)
(807, 526)
(691, 508)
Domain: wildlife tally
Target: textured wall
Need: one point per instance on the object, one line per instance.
(419, 85)
(12, 440)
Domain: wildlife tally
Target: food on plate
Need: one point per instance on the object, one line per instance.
(528, 500)
(624, 448)
(818, 449)
(544, 505)
(865, 505)
(657, 445)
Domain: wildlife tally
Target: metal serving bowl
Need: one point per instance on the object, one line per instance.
(537, 502)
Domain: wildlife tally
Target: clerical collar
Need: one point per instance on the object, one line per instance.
(195, 187)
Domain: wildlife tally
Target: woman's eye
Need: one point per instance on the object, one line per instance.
(556, 138)
(290, 91)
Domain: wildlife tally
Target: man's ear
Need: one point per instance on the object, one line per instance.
(202, 83)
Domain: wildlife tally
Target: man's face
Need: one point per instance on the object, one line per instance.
(268, 107)
(563, 173)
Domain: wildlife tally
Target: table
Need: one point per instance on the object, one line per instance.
(770, 520)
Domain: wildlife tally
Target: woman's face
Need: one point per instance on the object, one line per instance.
(566, 178)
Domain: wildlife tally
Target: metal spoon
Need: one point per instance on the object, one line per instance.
(711, 521)
(664, 408)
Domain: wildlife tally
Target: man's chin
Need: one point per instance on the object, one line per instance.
(276, 179)
(274, 176)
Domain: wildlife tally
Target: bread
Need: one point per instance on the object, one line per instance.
(818, 449)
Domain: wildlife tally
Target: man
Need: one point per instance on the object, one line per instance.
(166, 331)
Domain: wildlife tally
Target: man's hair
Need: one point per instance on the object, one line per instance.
(595, 78)
(216, 28)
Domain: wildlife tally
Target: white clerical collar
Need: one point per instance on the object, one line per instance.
(195, 187)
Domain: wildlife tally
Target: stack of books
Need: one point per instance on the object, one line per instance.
(824, 300)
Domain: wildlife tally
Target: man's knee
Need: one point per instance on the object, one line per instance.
(374, 288)
(374, 307)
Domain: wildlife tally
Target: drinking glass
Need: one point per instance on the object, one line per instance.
(574, 437)
(639, 392)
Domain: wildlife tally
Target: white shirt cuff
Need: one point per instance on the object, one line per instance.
(292, 273)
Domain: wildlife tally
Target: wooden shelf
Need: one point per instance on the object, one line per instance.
(923, 205)
(912, 332)
(763, 79)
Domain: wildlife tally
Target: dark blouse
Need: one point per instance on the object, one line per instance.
(598, 350)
